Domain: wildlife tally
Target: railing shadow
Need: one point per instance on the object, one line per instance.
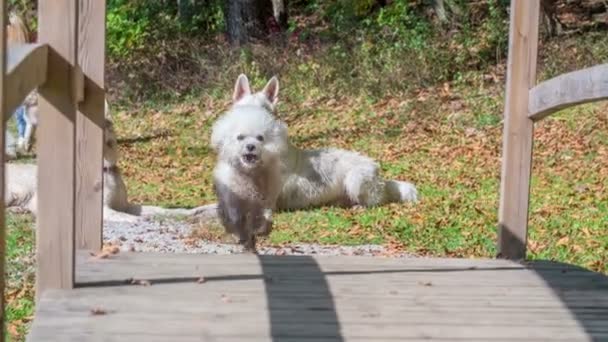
(291, 281)
(313, 322)
(589, 306)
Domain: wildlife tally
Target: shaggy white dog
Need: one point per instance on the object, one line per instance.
(258, 165)
(249, 143)
(21, 188)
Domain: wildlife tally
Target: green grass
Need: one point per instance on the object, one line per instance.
(426, 115)
(446, 138)
(20, 271)
(453, 155)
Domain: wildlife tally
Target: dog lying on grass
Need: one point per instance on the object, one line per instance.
(21, 188)
(259, 171)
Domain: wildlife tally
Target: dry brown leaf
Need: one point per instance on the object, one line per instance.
(98, 311)
(113, 249)
(141, 282)
(101, 255)
(563, 241)
(12, 329)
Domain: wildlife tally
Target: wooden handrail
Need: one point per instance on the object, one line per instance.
(574, 88)
(26, 70)
(3, 108)
(518, 130)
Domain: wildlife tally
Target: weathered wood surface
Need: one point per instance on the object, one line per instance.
(26, 70)
(573, 88)
(56, 148)
(4, 109)
(89, 125)
(518, 130)
(266, 298)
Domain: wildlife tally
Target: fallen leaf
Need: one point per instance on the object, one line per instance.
(563, 241)
(141, 282)
(98, 311)
(226, 299)
(114, 250)
(12, 329)
(425, 283)
(101, 255)
(201, 280)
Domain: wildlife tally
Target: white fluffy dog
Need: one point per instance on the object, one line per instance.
(258, 164)
(21, 189)
(249, 143)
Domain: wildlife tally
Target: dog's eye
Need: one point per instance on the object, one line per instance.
(260, 138)
(240, 137)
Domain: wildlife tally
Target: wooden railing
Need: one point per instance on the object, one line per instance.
(526, 103)
(26, 70)
(67, 69)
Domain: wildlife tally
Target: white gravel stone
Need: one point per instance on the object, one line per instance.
(169, 236)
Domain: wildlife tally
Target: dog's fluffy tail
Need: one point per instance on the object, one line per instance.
(398, 191)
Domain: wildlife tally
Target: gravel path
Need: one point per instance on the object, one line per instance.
(168, 236)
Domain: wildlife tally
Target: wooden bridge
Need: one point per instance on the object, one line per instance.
(153, 297)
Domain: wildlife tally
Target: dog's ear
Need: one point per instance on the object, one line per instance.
(241, 88)
(271, 90)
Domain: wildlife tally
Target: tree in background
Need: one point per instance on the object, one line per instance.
(254, 19)
(279, 9)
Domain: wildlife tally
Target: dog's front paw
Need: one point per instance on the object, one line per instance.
(249, 244)
(266, 225)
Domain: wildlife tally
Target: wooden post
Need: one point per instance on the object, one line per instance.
(89, 125)
(3, 106)
(56, 136)
(518, 130)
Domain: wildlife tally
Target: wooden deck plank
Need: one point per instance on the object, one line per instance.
(249, 298)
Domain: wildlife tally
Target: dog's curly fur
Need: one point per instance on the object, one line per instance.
(249, 142)
(305, 178)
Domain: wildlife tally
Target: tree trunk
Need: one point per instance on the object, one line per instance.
(552, 23)
(246, 19)
(186, 9)
(280, 13)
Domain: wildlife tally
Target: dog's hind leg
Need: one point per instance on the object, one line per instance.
(27, 137)
(31, 122)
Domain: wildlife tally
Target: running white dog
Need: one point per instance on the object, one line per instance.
(254, 152)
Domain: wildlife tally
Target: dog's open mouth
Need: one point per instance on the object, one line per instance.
(250, 158)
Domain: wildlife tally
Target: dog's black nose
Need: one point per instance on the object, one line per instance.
(250, 147)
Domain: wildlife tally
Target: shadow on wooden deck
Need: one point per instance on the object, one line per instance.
(301, 298)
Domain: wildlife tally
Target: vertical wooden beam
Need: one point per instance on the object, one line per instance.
(3, 106)
(518, 130)
(56, 136)
(89, 125)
